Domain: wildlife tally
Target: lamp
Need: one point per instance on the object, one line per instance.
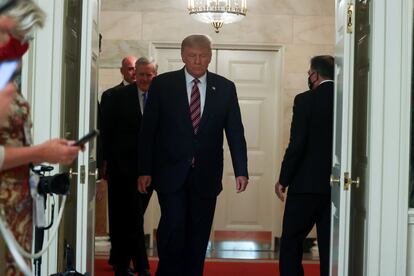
(217, 12)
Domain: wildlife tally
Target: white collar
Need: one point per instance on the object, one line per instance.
(189, 78)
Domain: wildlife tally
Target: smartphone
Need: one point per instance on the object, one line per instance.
(8, 69)
(86, 138)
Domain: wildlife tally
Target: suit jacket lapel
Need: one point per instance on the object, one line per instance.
(182, 99)
(134, 95)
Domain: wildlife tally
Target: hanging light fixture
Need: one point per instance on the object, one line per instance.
(217, 12)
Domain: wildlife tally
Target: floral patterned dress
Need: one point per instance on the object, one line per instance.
(15, 197)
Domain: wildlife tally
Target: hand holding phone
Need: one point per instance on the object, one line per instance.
(8, 70)
(82, 141)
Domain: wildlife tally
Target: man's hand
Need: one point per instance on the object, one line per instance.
(143, 182)
(241, 183)
(280, 190)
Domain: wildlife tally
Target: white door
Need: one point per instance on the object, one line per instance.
(360, 160)
(341, 158)
(255, 74)
(85, 231)
(350, 151)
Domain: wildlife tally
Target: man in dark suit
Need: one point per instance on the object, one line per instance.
(306, 170)
(127, 70)
(181, 153)
(121, 123)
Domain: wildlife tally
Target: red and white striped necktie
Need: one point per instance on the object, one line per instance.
(195, 107)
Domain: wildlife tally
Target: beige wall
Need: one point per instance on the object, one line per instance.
(302, 27)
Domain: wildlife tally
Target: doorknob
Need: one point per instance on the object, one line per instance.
(95, 173)
(348, 181)
(335, 180)
(72, 173)
(81, 174)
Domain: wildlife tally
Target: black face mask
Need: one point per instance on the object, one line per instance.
(310, 83)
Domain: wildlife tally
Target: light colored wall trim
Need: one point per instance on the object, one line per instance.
(376, 130)
(405, 136)
(89, 51)
(388, 171)
(222, 46)
(41, 85)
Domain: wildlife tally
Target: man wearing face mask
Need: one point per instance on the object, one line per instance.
(306, 169)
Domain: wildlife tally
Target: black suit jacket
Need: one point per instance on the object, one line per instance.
(99, 147)
(121, 120)
(168, 143)
(306, 166)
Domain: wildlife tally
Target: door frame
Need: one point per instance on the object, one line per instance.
(41, 83)
(389, 134)
(85, 218)
(389, 118)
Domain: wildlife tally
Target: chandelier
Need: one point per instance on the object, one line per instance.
(217, 12)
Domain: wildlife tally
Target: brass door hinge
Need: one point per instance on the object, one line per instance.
(349, 22)
(82, 174)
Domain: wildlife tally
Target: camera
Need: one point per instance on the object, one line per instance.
(55, 184)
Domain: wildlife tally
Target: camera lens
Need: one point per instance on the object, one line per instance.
(56, 184)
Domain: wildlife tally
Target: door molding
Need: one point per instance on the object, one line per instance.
(222, 46)
(389, 137)
(41, 85)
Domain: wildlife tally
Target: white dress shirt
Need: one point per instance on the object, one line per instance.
(202, 86)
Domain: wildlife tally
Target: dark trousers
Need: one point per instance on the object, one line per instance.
(126, 223)
(302, 211)
(184, 231)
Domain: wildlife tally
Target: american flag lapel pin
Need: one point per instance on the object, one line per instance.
(213, 88)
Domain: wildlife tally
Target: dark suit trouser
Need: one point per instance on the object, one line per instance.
(127, 224)
(184, 231)
(302, 211)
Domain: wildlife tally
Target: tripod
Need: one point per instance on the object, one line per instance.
(69, 270)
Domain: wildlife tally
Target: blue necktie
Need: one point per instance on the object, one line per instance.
(145, 97)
